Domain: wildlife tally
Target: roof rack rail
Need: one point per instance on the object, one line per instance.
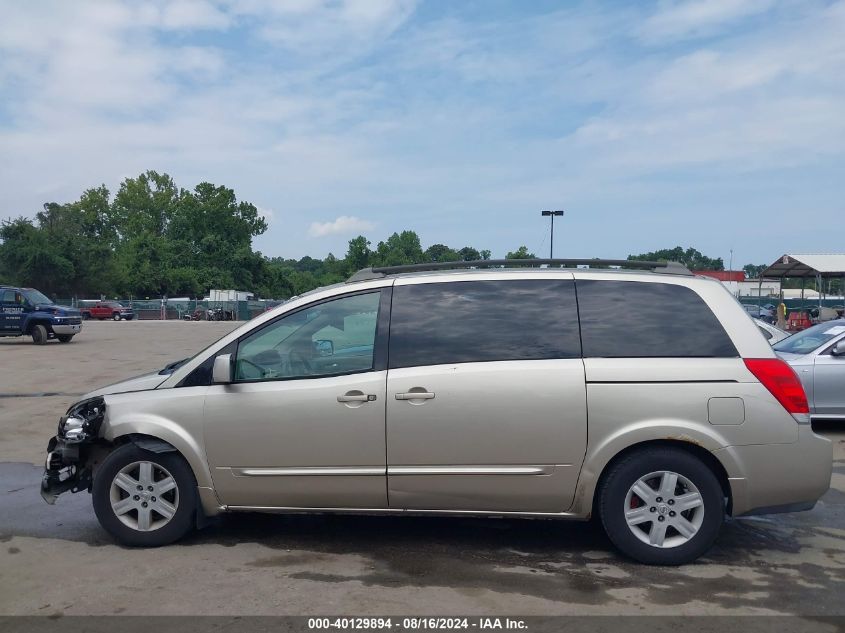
(671, 268)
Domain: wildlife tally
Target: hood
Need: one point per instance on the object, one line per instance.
(57, 309)
(138, 383)
(788, 356)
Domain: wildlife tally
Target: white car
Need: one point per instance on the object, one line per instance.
(772, 333)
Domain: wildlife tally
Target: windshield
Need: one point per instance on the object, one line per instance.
(35, 297)
(811, 338)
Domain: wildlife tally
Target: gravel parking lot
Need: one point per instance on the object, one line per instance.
(57, 561)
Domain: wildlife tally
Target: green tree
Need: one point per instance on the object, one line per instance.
(153, 238)
(28, 258)
(399, 248)
(358, 255)
(469, 254)
(520, 253)
(691, 258)
(440, 253)
(753, 271)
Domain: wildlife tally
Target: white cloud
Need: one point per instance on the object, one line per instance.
(317, 106)
(344, 225)
(758, 101)
(268, 214)
(193, 14)
(690, 18)
(314, 27)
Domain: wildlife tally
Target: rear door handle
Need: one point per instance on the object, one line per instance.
(415, 395)
(362, 397)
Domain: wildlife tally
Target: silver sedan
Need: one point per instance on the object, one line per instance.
(772, 333)
(818, 356)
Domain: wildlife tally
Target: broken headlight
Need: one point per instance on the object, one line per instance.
(82, 421)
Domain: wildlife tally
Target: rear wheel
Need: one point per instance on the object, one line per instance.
(144, 499)
(65, 338)
(39, 335)
(662, 506)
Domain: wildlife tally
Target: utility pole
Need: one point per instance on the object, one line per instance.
(731, 261)
(552, 215)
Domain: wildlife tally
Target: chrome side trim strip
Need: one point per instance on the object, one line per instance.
(394, 470)
(470, 470)
(309, 471)
(403, 511)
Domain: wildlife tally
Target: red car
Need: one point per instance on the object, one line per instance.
(108, 310)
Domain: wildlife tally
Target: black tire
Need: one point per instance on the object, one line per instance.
(39, 335)
(622, 476)
(65, 338)
(183, 520)
(116, 316)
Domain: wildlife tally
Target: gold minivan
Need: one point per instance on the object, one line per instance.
(645, 395)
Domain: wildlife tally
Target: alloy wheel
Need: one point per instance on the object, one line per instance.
(664, 509)
(144, 496)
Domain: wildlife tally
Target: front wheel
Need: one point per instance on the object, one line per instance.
(65, 338)
(144, 499)
(39, 335)
(116, 316)
(662, 506)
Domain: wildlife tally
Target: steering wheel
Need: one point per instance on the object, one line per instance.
(295, 356)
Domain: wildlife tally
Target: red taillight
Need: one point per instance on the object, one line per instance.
(779, 378)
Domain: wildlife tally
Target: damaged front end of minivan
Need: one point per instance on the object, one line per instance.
(72, 453)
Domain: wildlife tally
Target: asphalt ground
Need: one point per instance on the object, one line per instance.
(56, 561)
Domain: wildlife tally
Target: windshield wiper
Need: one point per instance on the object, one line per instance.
(171, 367)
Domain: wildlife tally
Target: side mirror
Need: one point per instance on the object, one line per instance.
(838, 349)
(222, 372)
(323, 347)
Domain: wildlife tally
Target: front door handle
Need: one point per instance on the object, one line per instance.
(357, 397)
(415, 395)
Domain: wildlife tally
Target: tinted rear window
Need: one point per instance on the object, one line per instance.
(626, 319)
(476, 321)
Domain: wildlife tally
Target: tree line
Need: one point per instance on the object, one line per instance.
(153, 238)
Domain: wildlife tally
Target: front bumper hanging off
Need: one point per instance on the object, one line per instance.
(71, 453)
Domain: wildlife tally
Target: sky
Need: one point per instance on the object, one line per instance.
(716, 124)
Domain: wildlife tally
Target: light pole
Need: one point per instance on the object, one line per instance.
(552, 215)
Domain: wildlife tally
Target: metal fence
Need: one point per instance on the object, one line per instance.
(795, 304)
(175, 309)
(156, 309)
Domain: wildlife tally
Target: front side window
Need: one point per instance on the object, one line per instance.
(629, 319)
(334, 337)
(479, 321)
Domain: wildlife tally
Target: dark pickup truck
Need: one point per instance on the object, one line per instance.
(27, 312)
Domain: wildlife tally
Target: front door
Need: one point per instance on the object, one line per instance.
(486, 400)
(829, 385)
(11, 310)
(302, 425)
